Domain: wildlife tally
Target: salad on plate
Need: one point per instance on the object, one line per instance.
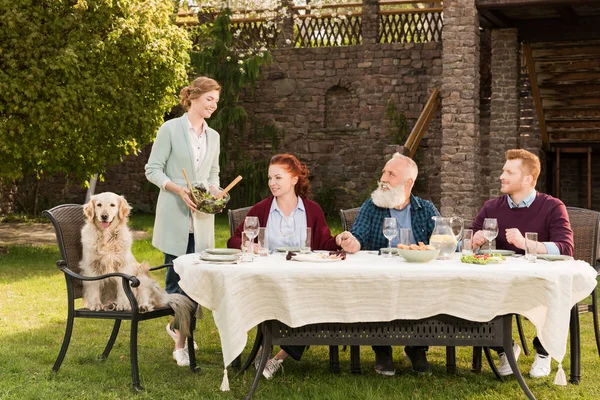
(482, 258)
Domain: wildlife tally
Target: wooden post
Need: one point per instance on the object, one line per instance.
(589, 180)
(557, 189)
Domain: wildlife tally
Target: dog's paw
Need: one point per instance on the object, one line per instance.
(146, 307)
(122, 307)
(96, 307)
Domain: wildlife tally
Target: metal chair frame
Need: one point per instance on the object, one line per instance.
(68, 220)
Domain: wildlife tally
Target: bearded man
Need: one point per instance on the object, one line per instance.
(393, 198)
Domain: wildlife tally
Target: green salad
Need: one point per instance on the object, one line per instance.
(482, 258)
(207, 203)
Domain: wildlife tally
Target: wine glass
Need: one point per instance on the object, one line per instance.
(390, 230)
(287, 227)
(490, 230)
(251, 226)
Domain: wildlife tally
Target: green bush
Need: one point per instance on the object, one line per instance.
(84, 83)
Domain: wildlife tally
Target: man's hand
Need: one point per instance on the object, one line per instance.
(514, 237)
(348, 242)
(478, 239)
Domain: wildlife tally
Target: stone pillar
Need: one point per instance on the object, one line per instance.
(460, 160)
(370, 21)
(504, 107)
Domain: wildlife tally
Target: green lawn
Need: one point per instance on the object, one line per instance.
(32, 320)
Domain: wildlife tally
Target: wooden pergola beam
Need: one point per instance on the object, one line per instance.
(536, 94)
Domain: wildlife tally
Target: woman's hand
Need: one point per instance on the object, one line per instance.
(184, 193)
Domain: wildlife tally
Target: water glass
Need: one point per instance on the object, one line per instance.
(404, 236)
(467, 242)
(490, 230)
(390, 230)
(251, 226)
(305, 248)
(246, 248)
(263, 242)
(531, 246)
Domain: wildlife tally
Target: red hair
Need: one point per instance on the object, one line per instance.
(295, 168)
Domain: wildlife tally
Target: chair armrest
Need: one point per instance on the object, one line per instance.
(62, 265)
(161, 267)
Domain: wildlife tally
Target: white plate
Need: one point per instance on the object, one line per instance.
(218, 257)
(229, 252)
(288, 248)
(553, 257)
(494, 251)
(315, 257)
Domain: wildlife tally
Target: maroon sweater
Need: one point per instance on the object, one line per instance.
(315, 219)
(546, 215)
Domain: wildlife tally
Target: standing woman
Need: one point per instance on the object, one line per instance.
(184, 143)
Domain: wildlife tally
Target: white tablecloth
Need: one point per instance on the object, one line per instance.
(368, 288)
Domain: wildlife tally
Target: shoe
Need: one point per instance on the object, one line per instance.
(504, 369)
(418, 360)
(173, 335)
(273, 365)
(384, 364)
(182, 357)
(541, 366)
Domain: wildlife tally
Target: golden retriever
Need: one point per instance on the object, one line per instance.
(106, 241)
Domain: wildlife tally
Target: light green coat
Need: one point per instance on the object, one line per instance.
(172, 151)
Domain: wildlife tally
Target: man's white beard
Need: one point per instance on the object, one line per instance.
(391, 198)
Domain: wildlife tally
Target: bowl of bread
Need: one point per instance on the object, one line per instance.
(418, 253)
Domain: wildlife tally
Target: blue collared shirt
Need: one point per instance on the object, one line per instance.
(368, 226)
(551, 247)
(298, 216)
(403, 220)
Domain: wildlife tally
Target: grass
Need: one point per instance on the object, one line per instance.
(32, 321)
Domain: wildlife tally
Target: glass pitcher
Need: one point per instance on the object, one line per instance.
(443, 236)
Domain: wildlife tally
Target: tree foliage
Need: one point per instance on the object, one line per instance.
(84, 82)
(235, 63)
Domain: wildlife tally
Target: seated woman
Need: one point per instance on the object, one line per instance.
(288, 182)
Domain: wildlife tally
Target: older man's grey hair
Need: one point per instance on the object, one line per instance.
(412, 170)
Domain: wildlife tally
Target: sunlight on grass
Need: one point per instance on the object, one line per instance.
(32, 322)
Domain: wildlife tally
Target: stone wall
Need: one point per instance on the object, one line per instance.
(331, 105)
(460, 158)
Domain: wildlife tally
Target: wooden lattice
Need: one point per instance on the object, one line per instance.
(328, 31)
(413, 27)
(252, 32)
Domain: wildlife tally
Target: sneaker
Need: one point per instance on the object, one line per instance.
(173, 335)
(418, 360)
(182, 357)
(273, 365)
(541, 366)
(384, 364)
(504, 369)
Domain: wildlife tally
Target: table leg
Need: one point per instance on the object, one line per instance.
(355, 359)
(575, 345)
(476, 363)
(334, 359)
(511, 356)
(257, 342)
(264, 357)
(451, 359)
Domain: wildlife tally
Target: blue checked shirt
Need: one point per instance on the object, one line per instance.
(368, 226)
